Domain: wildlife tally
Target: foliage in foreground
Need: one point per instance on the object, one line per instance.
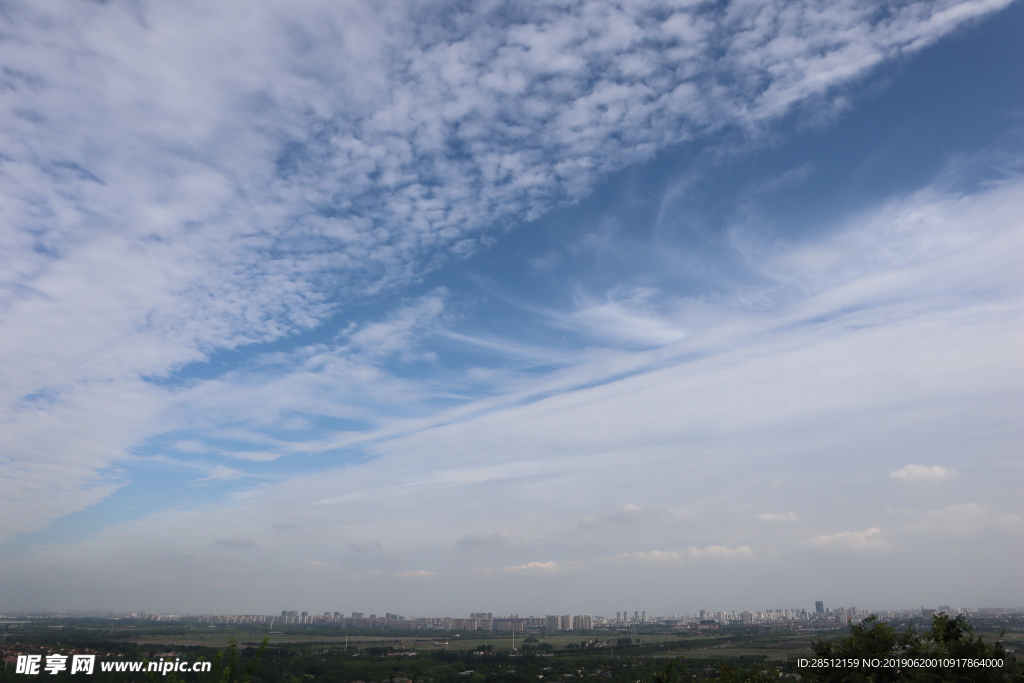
(948, 639)
(873, 640)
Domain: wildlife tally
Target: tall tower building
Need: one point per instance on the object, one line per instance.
(819, 606)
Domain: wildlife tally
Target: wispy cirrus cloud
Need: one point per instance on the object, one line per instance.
(170, 194)
(201, 178)
(221, 472)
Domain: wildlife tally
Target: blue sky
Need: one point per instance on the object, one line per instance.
(432, 310)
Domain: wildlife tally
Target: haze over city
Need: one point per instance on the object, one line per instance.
(544, 308)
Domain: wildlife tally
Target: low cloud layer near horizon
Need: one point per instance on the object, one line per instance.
(386, 306)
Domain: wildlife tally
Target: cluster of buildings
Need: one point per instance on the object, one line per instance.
(487, 621)
(821, 616)
(704, 620)
(568, 622)
(477, 621)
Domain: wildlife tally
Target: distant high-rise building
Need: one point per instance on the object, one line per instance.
(747, 617)
(643, 617)
(552, 622)
(583, 622)
(618, 617)
(819, 606)
(565, 622)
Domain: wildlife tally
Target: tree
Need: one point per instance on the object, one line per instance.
(225, 666)
(949, 638)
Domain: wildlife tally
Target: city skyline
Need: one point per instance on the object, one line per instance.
(490, 621)
(575, 304)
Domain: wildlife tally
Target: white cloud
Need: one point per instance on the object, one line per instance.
(854, 541)
(627, 317)
(415, 574)
(202, 177)
(923, 473)
(603, 443)
(643, 557)
(548, 566)
(398, 334)
(221, 472)
(720, 552)
(827, 384)
(58, 453)
(778, 517)
(253, 456)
